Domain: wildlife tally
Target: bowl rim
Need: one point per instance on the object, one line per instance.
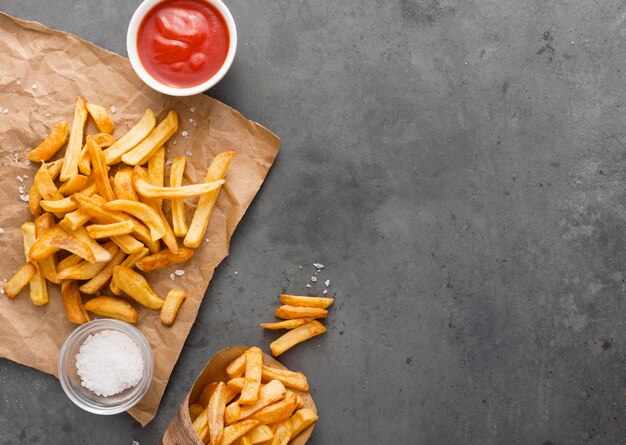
(136, 393)
(133, 55)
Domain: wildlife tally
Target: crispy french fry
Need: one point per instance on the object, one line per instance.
(74, 185)
(268, 394)
(237, 367)
(157, 137)
(256, 435)
(101, 254)
(20, 279)
(127, 243)
(54, 168)
(38, 286)
(296, 336)
(290, 312)
(254, 364)
(290, 379)
(84, 162)
(136, 287)
(299, 399)
(45, 184)
(144, 188)
(236, 384)
(113, 307)
(200, 424)
(100, 279)
(51, 144)
(141, 211)
(282, 434)
(163, 258)
(194, 410)
(296, 300)
(101, 118)
(67, 262)
(86, 270)
(129, 262)
(73, 302)
(156, 171)
(34, 198)
(301, 420)
(206, 393)
(179, 218)
(169, 238)
(100, 170)
(104, 139)
(287, 324)
(233, 432)
(135, 135)
(123, 184)
(55, 239)
(215, 411)
(99, 231)
(47, 266)
(72, 152)
(65, 205)
(278, 411)
(172, 303)
(206, 203)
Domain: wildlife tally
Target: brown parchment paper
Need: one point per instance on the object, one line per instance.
(41, 73)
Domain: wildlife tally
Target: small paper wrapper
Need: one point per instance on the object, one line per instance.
(41, 73)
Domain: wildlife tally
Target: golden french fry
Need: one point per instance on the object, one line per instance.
(99, 231)
(172, 303)
(169, 238)
(237, 367)
(100, 170)
(75, 143)
(135, 135)
(84, 162)
(179, 218)
(55, 239)
(112, 307)
(73, 185)
(287, 324)
(254, 364)
(51, 144)
(144, 188)
(268, 394)
(278, 411)
(20, 279)
(296, 300)
(206, 203)
(236, 384)
(69, 261)
(104, 139)
(163, 258)
(123, 184)
(101, 118)
(136, 287)
(301, 420)
(34, 198)
(206, 393)
(233, 432)
(86, 270)
(157, 137)
(194, 411)
(47, 266)
(54, 168)
(256, 435)
(290, 312)
(282, 434)
(38, 286)
(200, 424)
(99, 280)
(299, 399)
(45, 184)
(296, 336)
(65, 205)
(290, 379)
(127, 243)
(156, 171)
(215, 411)
(73, 302)
(101, 254)
(129, 262)
(143, 212)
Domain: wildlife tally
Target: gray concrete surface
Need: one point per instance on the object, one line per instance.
(460, 169)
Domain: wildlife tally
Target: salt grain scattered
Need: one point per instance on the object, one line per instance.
(1, 231)
(48, 115)
(179, 272)
(189, 153)
(26, 162)
(236, 272)
(169, 162)
(300, 267)
(172, 276)
(185, 134)
(327, 283)
(5, 110)
(19, 83)
(35, 86)
(318, 265)
(191, 121)
(24, 198)
(134, 443)
(314, 279)
(325, 291)
(19, 178)
(206, 240)
(308, 285)
(192, 109)
(113, 109)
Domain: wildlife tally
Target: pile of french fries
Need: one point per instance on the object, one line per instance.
(255, 406)
(300, 316)
(99, 215)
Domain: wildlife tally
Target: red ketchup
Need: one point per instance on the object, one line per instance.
(183, 43)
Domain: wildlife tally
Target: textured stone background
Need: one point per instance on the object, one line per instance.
(460, 168)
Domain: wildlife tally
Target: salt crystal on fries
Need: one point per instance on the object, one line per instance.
(53, 143)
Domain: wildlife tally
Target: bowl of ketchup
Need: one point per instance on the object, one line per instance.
(181, 47)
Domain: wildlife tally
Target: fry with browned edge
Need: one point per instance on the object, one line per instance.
(51, 144)
(20, 279)
(73, 302)
(112, 307)
(172, 303)
(296, 336)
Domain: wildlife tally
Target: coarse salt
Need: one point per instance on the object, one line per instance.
(185, 134)
(26, 162)
(191, 121)
(35, 86)
(188, 153)
(314, 279)
(109, 362)
(325, 291)
(172, 276)
(179, 272)
(300, 267)
(318, 265)
(327, 283)
(19, 178)
(308, 285)
(24, 198)
(5, 110)
(1, 231)
(192, 109)
(113, 109)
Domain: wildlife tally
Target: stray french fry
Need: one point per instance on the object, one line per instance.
(45, 184)
(129, 262)
(179, 218)
(74, 185)
(290, 312)
(254, 364)
(100, 170)
(123, 184)
(136, 287)
(141, 211)
(278, 411)
(287, 324)
(269, 393)
(296, 336)
(100, 279)
(194, 411)
(55, 239)
(237, 367)
(206, 393)
(282, 434)
(157, 137)
(172, 303)
(296, 300)
(290, 379)
(38, 286)
(101, 118)
(20, 279)
(203, 212)
(47, 266)
(215, 410)
(163, 258)
(51, 144)
(99, 231)
(86, 270)
(104, 140)
(113, 307)
(100, 253)
(301, 420)
(135, 135)
(73, 302)
(233, 432)
(74, 145)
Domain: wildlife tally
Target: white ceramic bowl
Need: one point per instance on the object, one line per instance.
(131, 46)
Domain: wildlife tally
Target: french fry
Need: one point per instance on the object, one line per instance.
(51, 144)
(287, 324)
(74, 185)
(20, 279)
(38, 286)
(237, 367)
(203, 212)
(135, 135)
(296, 300)
(141, 211)
(172, 303)
(84, 162)
(301, 420)
(282, 434)
(256, 435)
(157, 137)
(206, 393)
(156, 171)
(68, 261)
(65, 205)
(296, 336)
(129, 262)
(290, 312)
(47, 266)
(268, 394)
(75, 143)
(136, 287)
(73, 302)
(215, 411)
(100, 170)
(236, 384)
(100, 279)
(99, 231)
(278, 411)
(86, 270)
(104, 140)
(112, 307)
(34, 198)
(299, 399)
(254, 364)
(200, 425)
(55, 239)
(290, 379)
(100, 253)
(127, 243)
(123, 184)
(169, 238)
(163, 258)
(101, 118)
(194, 410)
(144, 188)
(233, 432)
(45, 184)
(179, 218)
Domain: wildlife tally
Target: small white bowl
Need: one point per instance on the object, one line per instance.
(131, 46)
